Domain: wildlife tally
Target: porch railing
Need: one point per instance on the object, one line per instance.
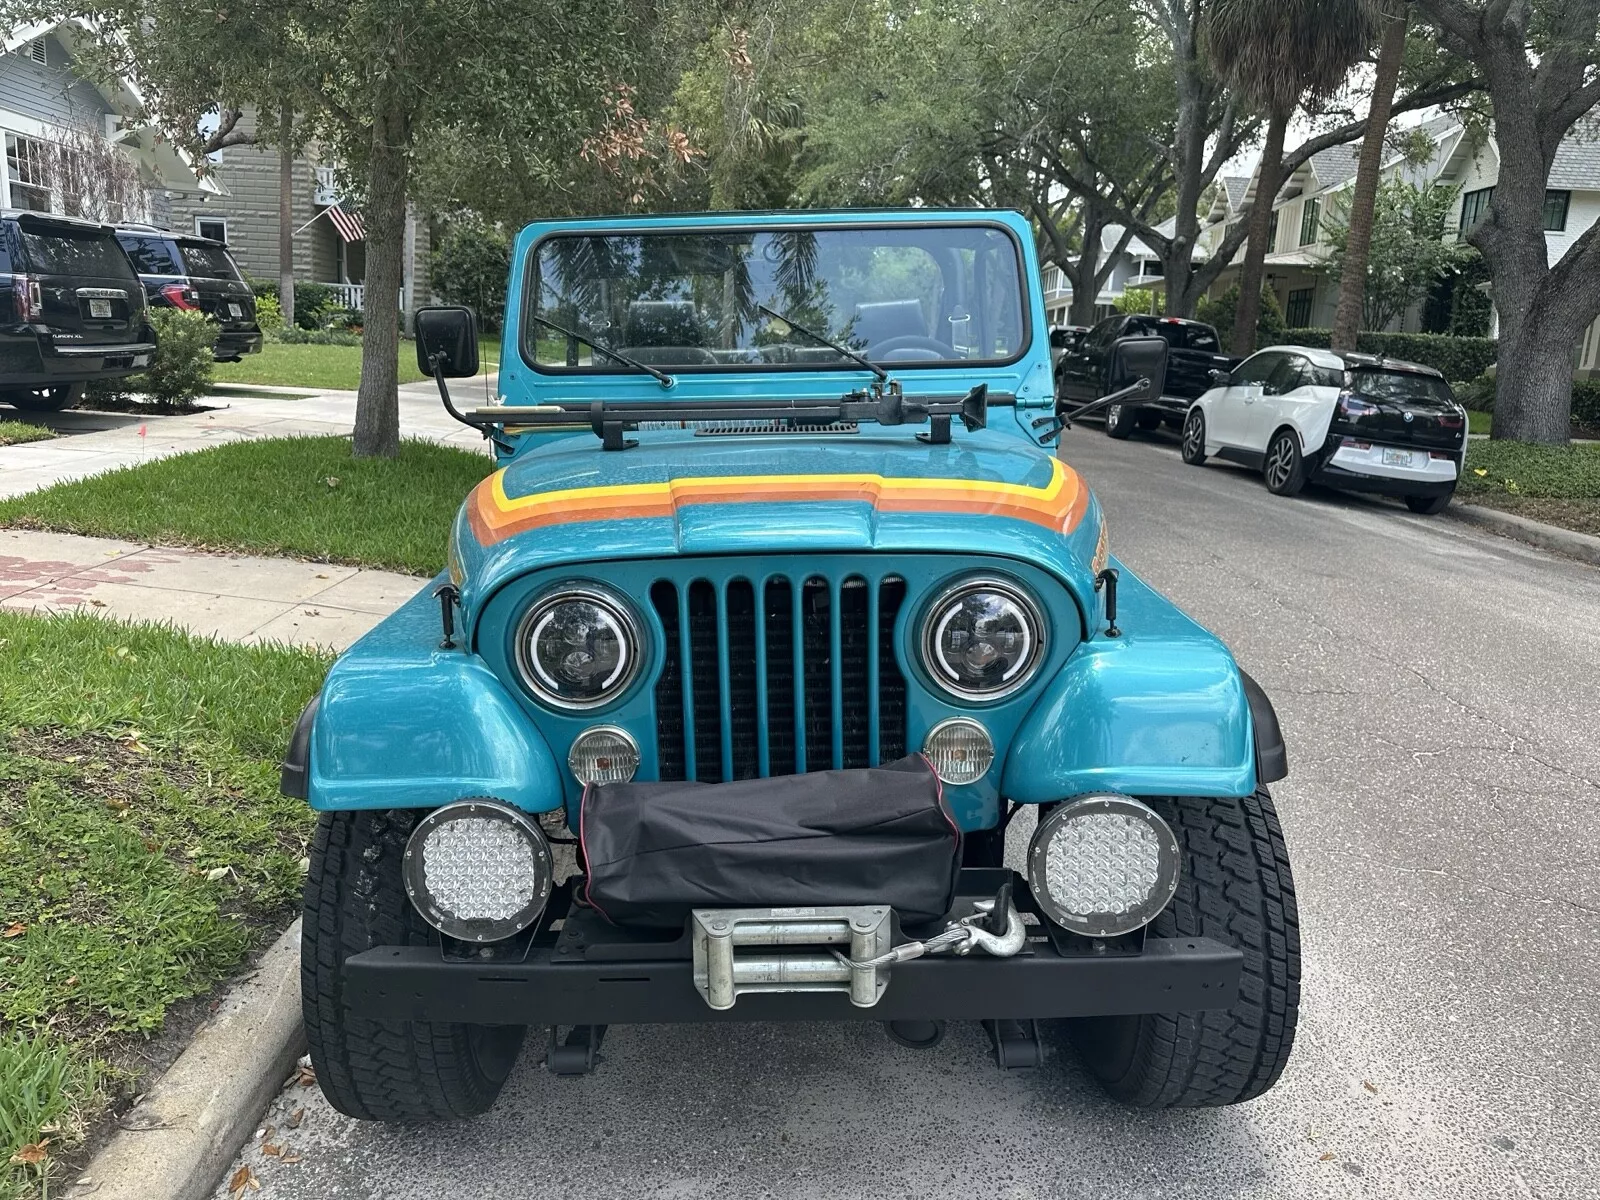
(348, 295)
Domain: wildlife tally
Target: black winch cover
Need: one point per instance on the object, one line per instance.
(880, 835)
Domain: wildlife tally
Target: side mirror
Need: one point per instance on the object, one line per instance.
(1060, 339)
(1139, 358)
(1219, 376)
(451, 333)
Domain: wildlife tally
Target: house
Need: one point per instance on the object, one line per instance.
(1136, 266)
(78, 147)
(1295, 264)
(329, 239)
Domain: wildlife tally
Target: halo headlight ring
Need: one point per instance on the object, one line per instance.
(947, 606)
(1127, 855)
(539, 677)
(438, 900)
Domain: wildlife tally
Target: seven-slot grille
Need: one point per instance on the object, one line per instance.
(778, 676)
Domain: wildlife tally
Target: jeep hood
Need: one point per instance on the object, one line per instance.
(676, 493)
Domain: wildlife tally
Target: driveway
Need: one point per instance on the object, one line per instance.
(1437, 686)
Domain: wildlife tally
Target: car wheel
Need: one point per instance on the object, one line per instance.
(383, 1070)
(1194, 438)
(1149, 420)
(1428, 506)
(45, 399)
(1285, 468)
(1236, 887)
(1120, 419)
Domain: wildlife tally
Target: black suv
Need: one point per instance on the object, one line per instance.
(71, 310)
(180, 270)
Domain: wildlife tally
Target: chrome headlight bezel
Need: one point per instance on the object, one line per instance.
(1034, 620)
(614, 606)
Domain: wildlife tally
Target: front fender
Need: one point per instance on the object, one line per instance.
(401, 723)
(1160, 711)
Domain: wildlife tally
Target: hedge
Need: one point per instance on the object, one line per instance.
(1452, 357)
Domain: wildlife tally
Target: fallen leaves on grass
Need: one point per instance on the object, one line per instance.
(15, 929)
(32, 1154)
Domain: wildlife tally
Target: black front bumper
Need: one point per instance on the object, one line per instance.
(591, 973)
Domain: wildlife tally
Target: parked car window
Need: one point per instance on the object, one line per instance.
(1327, 376)
(1291, 373)
(151, 255)
(1256, 369)
(67, 251)
(207, 262)
(1400, 385)
(1180, 335)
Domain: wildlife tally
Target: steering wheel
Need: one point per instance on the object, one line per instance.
(911, 341)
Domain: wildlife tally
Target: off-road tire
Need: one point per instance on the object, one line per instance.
(1284, 468)
(45, 399)
(383, 1070)
(1121, 420)
(1194, 438)
(1428, 506)
(1236, 888)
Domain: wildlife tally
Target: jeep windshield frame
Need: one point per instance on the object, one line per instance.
(701, 333)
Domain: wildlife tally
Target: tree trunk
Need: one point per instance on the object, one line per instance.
(1267, 184)
(377, 432)
(286, 215)
(1533, 383)
(1085, 283)
(1358, 240)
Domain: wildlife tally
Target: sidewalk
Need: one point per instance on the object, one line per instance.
(230, 596)
(234, 417)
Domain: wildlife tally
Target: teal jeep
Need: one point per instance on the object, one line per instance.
(779, 609)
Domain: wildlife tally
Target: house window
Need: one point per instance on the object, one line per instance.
(1474, 205)
(1310, 214)
(1272, 232)
(211, 227)
(1555, 211)
(1298, 314)
(28, 172)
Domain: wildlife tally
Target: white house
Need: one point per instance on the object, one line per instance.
(1136, 266)
(75, 147)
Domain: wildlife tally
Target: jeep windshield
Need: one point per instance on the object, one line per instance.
(692, 301)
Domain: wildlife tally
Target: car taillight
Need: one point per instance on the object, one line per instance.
(1352, 406)
(1449, 454)
(26, 298)
(179, 296)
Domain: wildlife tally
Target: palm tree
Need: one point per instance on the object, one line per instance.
(1393, 16)
(1276, 52)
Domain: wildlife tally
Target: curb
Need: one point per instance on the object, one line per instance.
(1581, 546)
(176, 1143)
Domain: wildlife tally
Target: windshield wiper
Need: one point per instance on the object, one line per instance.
(883, 376)
(661, 377)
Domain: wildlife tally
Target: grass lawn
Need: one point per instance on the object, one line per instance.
(144, 851)
(326, 367)
(1479, 422)
(14, 433)
(303, 497)
(1556, 484)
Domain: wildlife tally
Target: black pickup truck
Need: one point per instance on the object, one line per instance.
(1193, 352)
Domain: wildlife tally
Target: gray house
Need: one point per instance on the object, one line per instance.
(329, 240)
(76, 147)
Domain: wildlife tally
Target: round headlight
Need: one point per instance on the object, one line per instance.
(603, 754)
(1103, 865)
(983, 639)
(578, 647)
(960, 750)
(477, 870)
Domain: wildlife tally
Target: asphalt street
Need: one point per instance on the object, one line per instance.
(1439, 689)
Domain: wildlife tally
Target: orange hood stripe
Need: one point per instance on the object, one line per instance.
(1058, 506)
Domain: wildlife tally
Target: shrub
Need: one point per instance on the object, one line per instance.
(1586, 402)
(311, 300)
(341, 318)
(268, 314)
(1452, 357)
(470, 265)
(1219, 314)
(295, 336)
(1141, 300)
(181, 368)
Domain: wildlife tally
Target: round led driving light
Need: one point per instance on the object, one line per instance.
(478, 870)
(1103, 865)
(959, 749)
(983, 639)
(578, 647)
(603, 754)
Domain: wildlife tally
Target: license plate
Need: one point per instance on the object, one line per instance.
(99, 308)
(236, 311)
(1399, 458)
(141, 360)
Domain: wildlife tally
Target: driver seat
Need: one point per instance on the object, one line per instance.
(878, 321)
